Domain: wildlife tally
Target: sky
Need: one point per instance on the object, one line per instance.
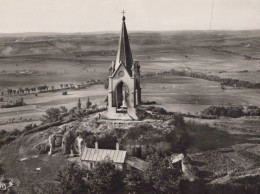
(69, 16)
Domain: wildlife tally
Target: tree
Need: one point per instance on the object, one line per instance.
(106, 84)
(177, 135)
(107, 141)
(2, 93)
(79, 104)
(61, 85)
(70, 179)
(21, 90)
(52, 115)
(177, 120)
(52, 88)
(134, 183)
(27, 90)
(14, 91)
(162, 174)
(29, 127)
(222, 87)
(44, 87)
(106, 99)
(63, 109)
(104, 178)
(88, 104)
(9, 91)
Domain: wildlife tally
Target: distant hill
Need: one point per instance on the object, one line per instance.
(59, 43)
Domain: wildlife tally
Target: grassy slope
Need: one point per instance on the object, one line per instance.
(25, 171)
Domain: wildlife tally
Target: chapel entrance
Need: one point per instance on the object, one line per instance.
(122, 93)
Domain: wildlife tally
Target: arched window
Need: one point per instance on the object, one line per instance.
(122, 97)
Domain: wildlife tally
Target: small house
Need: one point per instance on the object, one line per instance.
(90, 156)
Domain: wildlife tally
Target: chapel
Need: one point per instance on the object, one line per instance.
(124, 93)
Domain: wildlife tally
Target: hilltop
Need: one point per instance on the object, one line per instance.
(211, 146)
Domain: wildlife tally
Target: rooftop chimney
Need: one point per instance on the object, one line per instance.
(96, 145)
(117, 146)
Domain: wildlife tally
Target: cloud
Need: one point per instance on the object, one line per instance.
(105, 15)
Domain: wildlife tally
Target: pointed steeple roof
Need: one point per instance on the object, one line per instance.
(124, 54)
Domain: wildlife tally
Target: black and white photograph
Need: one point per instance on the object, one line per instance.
(130, 96)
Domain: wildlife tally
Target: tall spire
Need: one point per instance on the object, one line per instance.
(124, 54)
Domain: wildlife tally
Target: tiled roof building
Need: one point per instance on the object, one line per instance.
(90, 156)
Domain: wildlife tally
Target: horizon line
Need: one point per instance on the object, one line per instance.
(134, 31)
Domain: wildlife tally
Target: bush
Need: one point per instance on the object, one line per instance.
(1, 169)
(177, 135)
(253, 111)
(43, 127)
(134, 182)
(43, 148)
(15, 132)
(104, 178)
(162, 174)
(63, 109)
(12, 105)
(142, 133)
(52, 115)
(29, 127)
(177, 120)
(3, 133)
(70, 179)
(149, 102)
(8, 139)
(107, 142)
(158, 110)
(224, 111)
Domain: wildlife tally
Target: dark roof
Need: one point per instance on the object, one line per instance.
(124, 53)
(97, 155)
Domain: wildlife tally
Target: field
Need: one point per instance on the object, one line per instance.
(184, 94)
(36, 106)
(55, 59)
(80, 57)
(175, 93)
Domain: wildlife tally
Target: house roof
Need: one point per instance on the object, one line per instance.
(136, 163)
(177, 158)
(97, 155)
(124, 53)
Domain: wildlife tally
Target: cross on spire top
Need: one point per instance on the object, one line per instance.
(123, 12)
